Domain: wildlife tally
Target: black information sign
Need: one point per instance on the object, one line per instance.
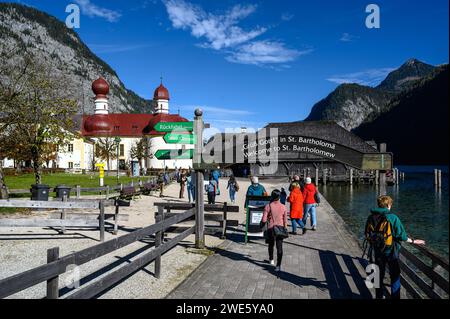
(255, 211)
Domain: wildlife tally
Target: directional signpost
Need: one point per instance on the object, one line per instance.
(174, 154)
(176, 133)
(174, 127)
(174, 138)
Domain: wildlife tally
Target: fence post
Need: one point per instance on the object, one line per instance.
(351, 176)
(53, 283)
(63, 216)
(116, 217)
(382, 174)
(199, 188)
(78, 191)
(159, 218)
(224, 222)
(107, 191)
(317, 177)
(102, 221)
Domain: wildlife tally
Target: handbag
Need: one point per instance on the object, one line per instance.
(277, 231)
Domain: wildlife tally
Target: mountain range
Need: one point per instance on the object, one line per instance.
(408, 111)
(46, 37)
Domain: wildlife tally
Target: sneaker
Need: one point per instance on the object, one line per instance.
(314, 228)
(293, 233)
(304, 231)
(278, 268)
(272, 262)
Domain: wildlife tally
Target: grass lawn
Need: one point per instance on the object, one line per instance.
(26, 180)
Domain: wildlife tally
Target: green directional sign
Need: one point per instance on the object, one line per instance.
(174, 126)
(174, 154)
(173, 138)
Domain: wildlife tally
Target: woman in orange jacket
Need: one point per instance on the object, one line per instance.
(296, 204)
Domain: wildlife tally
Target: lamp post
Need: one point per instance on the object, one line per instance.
(117, 140)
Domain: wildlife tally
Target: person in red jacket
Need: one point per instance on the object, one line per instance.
(309, 203)
(296, 208)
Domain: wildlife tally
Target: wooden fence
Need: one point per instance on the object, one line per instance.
(106, 190)
(56, 265)
(166, 210)
(64, 219)
(165, 220)
(424, 273)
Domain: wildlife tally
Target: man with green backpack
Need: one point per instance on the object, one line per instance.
(384, 233)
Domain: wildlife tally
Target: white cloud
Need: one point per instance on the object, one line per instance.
(217, 111)
(222, 33)
(287, 16)
(347, 37)
(265, 52)
(370, 77)
(91, 10)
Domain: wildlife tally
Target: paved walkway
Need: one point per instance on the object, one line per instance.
(319, 265)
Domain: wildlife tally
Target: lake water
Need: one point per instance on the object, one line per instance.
(423, 210)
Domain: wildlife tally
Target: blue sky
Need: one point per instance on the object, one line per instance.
(253, 62)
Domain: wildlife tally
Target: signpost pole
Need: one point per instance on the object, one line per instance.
(199, 189)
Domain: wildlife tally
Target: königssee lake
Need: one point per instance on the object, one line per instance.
(423, 209)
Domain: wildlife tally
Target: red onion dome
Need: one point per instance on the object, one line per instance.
(98, 124)
(100, 87)
(161, 93)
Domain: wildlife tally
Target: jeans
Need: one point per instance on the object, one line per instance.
(191, 193)
(279, 243)
(232, 195)
(295, 222)
(394, 271)
(309, 209)
(211, 198)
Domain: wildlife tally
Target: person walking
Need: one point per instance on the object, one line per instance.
(216, 176)
(295, 179)
(283, 196)
(182, 181)
(232, 187)
(275, 214)
(255, 189)
(384, 233)
(211, 190)
(161, 184)
(296, 209)
(309, 203)
(190, 182)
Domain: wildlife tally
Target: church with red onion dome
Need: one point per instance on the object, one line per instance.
(130, 128)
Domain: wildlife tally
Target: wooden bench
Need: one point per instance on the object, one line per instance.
(129, 193)
(147, 188)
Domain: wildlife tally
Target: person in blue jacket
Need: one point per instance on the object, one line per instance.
(255, 189)
(216, 176)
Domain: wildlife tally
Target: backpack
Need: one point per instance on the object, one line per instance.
(317, 197)
(378, 234)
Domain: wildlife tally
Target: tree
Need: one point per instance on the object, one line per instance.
(35, 108)
(140, 151)
(106, 149)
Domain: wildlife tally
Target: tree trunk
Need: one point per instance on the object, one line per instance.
(37, 168)
(3, 192)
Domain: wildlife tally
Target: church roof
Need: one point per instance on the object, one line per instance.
(125, 125)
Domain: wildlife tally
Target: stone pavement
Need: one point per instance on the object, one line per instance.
(322, 264)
